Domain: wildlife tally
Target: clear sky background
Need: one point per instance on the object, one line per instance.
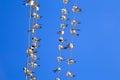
(97, 50)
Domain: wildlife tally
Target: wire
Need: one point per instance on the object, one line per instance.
(29, 24)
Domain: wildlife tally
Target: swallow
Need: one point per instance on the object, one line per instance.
(36, 16)
(33, 30)
(57, 78)
(30, 50)
(36, 6)
(65, 1)
(70, 45)
(60, 32)
(28, 72)
(74, 22)
(61, 39)
(69, 74)
(34, 57)
(74, 31)
(35, 26)
(61, 47)
(35, 45)
(33, 64)
(64, 11)
(64, 18)
(76, 9)
(59, 59)
(34, 39)
(30, 3)
(33, 78)
(57, 70)
(63, 26)
(71, 61)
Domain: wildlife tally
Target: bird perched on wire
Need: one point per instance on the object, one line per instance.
(63, 26)
(74, 31)
(34, 57)
(35, 15)
(36, 6)
(71, 61)
(59, 59)
(64, 18)
(61, 39)
(57, 78)
(33, 64)
(70, 45)
(65, 1)
(30, 50)
(61, 47)
(33, 78)
(34, 39)
(30, 3)
(35, 45)
(74, 22)
(35, 26)
(69, 74)
(76, 9)
(33, 30)
(28, 72)
(64, 11)
(60, 32)
(57, 70)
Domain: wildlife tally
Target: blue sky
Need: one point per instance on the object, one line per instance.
(97, 49)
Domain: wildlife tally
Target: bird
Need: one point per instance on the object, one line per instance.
(35, 15)
(59, 59)
(28, 72)
(33, 30)
(30, 2)
(61, 47)
(30, 51)
(35, 45)
(70, 45)
(74, 22)
(64, 18)
(33, 64)
(35, 39)
(65, 1)
(36, 6)
(57, 70)
(71, 61)
(76, 9)
(63, 26)
(35, 26)
(60, 32)
(57, 78)
(74, 31)
(69, 74)
(61, 39)
(64, 11)
(33, 78)
(34, 57)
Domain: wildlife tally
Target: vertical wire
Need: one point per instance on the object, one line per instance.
(60, 52)
(67, 14)
(32, 69)
(29, 24)
(72, 37)
(73, 27)
(34, 21)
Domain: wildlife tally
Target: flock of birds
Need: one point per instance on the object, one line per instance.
(33, 40)
(73, 31)
(31, 51)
